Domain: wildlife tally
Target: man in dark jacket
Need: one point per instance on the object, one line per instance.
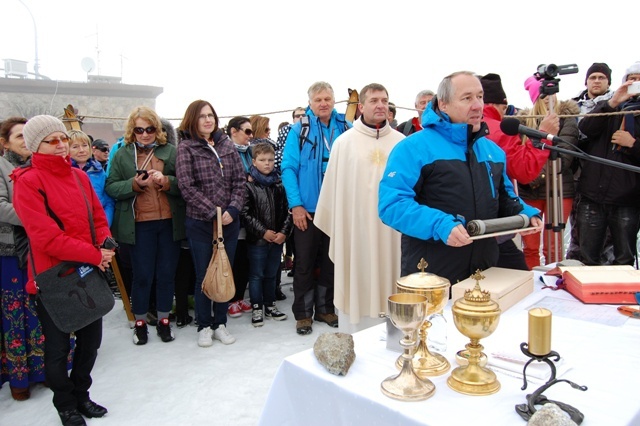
(610, 196)
(415, 124)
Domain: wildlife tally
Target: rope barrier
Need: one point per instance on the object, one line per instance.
(602, 114)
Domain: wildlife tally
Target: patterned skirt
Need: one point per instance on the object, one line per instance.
(21, 335)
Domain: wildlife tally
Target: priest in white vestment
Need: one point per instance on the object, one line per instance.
(366, 252)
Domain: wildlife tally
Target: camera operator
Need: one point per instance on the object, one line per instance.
(609, 196)
(597, 82)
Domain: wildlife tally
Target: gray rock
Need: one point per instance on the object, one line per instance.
(550, 415)
(335, 352)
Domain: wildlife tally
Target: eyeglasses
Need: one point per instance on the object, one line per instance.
(597, 77)
(140, 130)
(56, 141)
(298, 115)
(205, 116)
(248, 132)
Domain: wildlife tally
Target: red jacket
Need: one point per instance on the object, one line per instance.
(53, 175)
(524, 162)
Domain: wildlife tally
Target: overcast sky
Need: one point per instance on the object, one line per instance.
(256, 56)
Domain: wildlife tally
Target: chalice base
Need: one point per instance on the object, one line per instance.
(473, 380)
(428, 365)
(407, 387)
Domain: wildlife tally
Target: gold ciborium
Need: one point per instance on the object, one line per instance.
(476, 316)
(436, 290)
(407, 312)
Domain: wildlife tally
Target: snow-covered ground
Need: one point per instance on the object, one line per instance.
(177, 383)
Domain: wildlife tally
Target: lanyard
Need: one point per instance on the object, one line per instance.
(218, 157)
(324, 138)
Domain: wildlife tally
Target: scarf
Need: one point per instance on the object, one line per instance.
(264, 180)
(150, 146)
(14, 158)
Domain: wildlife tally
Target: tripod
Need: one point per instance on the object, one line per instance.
(554, 215)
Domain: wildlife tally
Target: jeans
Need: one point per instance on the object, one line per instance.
(264, 262)
(154, 254)
(622, 221)
(69, 389)
(201, 252)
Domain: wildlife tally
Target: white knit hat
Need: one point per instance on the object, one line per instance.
(633, 69)
(38, 128)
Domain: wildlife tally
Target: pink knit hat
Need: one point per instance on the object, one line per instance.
(532, 84)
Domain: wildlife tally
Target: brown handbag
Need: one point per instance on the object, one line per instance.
(218, 284)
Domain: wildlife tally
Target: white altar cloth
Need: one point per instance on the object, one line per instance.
(604, 358)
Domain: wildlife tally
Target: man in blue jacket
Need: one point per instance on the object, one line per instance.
(438, 179)
(304, 161)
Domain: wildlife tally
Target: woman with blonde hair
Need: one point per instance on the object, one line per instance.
(149, 215)
(261, 130)
(535, 193)
(80, 152)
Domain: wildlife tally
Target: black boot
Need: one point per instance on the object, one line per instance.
(279, 294)
(71, 418)
(91, 409)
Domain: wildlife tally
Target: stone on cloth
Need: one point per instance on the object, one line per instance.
(335, 352)
(550, 415)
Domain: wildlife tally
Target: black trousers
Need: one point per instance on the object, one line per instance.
(240, 270)
(511, 256)
(184, 282)
(311, 289)
(69, 389)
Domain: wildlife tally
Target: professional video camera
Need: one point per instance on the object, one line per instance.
(547, 73)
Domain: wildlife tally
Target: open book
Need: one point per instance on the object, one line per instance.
(611, 284)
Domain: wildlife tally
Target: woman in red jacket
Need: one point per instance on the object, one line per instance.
(48, 201)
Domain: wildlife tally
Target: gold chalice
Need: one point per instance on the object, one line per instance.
(407, 312)
(436, 290)
(476, 316)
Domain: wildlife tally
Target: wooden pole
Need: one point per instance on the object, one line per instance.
(123, 291)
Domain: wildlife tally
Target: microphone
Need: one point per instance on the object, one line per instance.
(511, 126)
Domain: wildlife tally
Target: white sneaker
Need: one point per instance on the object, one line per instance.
(223, 335)
(205, 337)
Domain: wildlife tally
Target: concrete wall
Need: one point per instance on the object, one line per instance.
(96, 102)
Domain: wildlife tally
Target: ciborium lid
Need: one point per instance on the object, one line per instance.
(477, 300)
(422, 279)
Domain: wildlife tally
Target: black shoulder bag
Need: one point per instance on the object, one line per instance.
(74, 294)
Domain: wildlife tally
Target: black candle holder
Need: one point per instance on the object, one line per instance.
(536, 398)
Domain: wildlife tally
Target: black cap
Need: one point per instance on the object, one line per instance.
(99, 143)
(493, 91)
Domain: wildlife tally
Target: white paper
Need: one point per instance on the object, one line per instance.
(601, 314)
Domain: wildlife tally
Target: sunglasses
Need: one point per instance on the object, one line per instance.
(298, 115)
(56, 141)
(140, 130)
(248, 132)
(103, 149)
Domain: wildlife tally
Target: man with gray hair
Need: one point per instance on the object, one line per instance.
(415, 124)
(304, 162)
(440, 178)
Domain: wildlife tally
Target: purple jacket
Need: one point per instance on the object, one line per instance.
(207, 181)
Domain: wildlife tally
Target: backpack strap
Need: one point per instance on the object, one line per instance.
(406, 130)
(304, 130)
